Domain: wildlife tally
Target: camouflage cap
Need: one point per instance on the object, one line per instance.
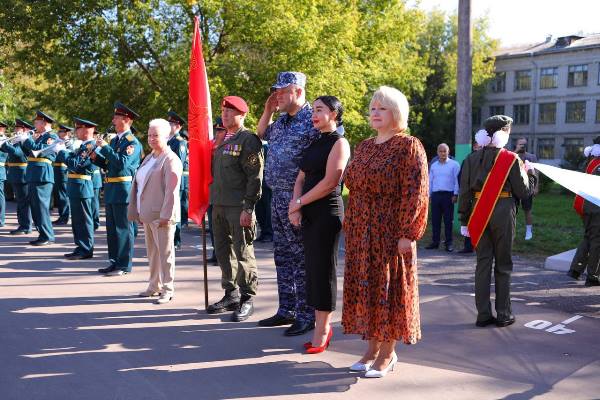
(287, 78)
(496, 122)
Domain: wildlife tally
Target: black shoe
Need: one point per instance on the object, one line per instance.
(229, 302)
(449, 248)
(501, 323)
(80, 256)
(108, 269)
(213, 260)
(574, 274)
(432, 246)
(20, 232)
(592, 282)
(485, 323)
(465, 251)
(59, 222)
(41, 242)
(299, 328)
(245, 310)
(276, 320)
(67, 255)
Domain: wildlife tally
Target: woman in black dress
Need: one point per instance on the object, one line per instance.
(317, 206)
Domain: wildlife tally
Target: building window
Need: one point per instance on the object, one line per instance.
(523, 80)
(521, 114)
(577, 75)
(498, 84)
(573, 146)
(476, 116)
(496, 110)
(545, 149)
(597, 110)
(575, 111)
(547, 114)
(549, 78)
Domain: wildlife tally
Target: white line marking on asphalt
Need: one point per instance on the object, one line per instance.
(568, 321)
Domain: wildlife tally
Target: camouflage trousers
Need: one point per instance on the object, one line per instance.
(289, 261)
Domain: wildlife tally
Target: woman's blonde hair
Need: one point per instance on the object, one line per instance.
(396, 101)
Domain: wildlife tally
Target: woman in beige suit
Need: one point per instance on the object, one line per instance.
(154, 202)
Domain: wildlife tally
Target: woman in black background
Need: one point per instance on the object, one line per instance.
(317, 206)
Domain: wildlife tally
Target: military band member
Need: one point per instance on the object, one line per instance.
(588, 251)
(16, 164)
(120, 159)
(180, 147)
(60, 177)
(237, 173)
(3, 158)
(490, 178)
(80, 188)
(40, 176)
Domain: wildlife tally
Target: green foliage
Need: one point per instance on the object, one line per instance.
(77, 58)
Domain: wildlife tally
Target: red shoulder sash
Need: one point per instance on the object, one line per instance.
(578, 203)
(484, 205)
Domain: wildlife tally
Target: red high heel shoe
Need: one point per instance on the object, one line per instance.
(320, 349)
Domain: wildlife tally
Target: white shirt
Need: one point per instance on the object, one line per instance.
(444, 176)
(140, 178)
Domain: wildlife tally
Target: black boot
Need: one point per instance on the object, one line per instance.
(229, 302)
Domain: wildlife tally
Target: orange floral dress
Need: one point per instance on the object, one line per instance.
(389, 195)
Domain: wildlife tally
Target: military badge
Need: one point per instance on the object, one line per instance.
(232, 150)
(129, 150)
(252, 160)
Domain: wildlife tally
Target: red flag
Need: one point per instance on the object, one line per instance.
(199, 130)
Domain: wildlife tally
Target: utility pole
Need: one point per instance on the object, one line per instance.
(464, 82)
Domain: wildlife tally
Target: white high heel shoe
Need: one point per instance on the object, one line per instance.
(373, 373)
(360, 367)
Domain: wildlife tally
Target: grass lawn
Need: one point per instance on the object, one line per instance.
(556, 226)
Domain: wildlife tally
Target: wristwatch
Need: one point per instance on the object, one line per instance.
(298, 201)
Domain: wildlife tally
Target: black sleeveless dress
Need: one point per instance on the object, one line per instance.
(321, 226)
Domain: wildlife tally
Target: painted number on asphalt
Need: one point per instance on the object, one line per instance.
(558, 329)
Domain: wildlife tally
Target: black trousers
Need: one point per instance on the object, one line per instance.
(442, 206)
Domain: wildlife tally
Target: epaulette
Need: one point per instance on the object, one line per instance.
(130, 137)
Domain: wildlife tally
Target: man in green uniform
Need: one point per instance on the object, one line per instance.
(180, 147)
(496, 239)
(40, 176)
(120, 159)
(80, 189)
(237, 173)
(588, 251)
(60, 177)
(17, 164)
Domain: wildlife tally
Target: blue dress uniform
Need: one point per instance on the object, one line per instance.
(80, 188)
(16, 165)
(3, 158)
(180, 147)
(39, 176)
(97, 182)
(120, 159)
(60, 184)
(288, 137)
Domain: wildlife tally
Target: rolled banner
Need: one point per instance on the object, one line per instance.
(582, 184)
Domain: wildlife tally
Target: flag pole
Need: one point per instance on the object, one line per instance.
(205, 264)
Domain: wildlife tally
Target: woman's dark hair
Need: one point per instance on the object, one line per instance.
(334, 104)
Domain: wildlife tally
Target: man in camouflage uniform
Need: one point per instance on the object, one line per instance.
(237, 170)
(288, 138)
(497, 238)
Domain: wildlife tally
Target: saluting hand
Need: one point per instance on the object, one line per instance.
(271, 105)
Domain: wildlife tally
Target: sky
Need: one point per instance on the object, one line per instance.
(529, 21)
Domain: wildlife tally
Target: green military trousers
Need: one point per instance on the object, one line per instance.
(234, 250)
(496, 245)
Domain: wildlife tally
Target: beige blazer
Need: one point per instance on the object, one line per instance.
(157, 201)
